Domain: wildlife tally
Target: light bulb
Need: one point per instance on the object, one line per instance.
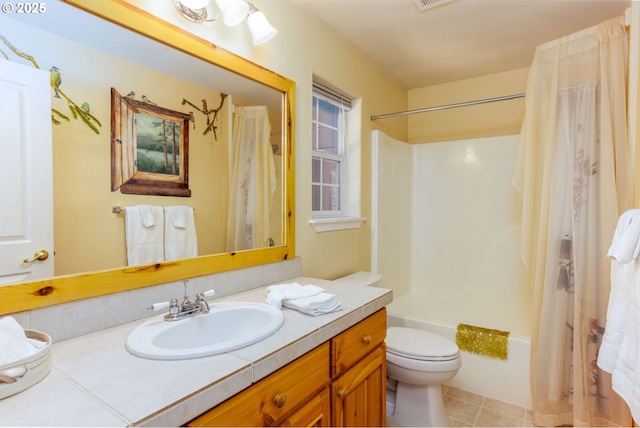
(261, 30)
(233, 11)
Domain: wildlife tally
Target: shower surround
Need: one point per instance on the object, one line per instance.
(446, 237)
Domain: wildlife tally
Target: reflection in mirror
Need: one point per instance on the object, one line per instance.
(90, 56)
(149, 147)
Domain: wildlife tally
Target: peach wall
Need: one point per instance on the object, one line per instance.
(485, 120)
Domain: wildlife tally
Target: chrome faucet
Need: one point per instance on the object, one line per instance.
(187, 308)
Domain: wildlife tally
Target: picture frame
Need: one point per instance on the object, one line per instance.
(149, 148)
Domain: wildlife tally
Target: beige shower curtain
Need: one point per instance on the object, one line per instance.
(253, 180)
(573, 171)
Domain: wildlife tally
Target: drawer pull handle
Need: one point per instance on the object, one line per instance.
(366, 340)
(280, 400)
(342, 393)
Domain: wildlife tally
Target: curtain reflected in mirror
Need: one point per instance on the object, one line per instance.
(253, 180)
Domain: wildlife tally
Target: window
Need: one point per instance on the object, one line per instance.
(328, 157)
(335, 169)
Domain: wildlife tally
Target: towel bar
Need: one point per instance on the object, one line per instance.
(119, 210)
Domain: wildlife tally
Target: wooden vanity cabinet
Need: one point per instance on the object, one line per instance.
(340, 383)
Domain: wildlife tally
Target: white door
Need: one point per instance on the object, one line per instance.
(26, 179)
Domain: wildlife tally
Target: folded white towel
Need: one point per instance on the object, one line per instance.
(145, 244)
(147, 215)
(625, 245)
(180, 239)
(14, 344)
(309, 299)
(179, 215)
(319, 304)
(277, 293)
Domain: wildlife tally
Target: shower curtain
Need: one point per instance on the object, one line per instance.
(253, 180)
(573, 172)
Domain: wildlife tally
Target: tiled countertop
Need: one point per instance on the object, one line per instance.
(95, 381)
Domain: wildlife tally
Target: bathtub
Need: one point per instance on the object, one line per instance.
(506, 380)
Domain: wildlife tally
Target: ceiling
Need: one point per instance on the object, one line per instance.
(455, 39)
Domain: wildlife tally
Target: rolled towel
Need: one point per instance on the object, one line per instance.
(14, 344)
(277, 293)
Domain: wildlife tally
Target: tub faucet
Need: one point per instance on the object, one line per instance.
(187, 308)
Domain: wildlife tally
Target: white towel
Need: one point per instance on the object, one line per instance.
(319, 304)
(625, 378)
(309, 299)
(624, 268)
(618, 353)
(277, 293)
(623, 279)
(145, 244)
(180, 239)
(625, 245)
(14, 344)
(147, 215)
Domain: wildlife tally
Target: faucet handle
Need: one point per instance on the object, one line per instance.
(163, 305)
(209, 293)
(158, 306)
(201, 296)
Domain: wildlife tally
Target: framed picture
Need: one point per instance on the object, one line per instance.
(149, 148)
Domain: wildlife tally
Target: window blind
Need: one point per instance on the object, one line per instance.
(332, 95)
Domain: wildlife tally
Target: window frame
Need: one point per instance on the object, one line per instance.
(350, 181)
(321, 155)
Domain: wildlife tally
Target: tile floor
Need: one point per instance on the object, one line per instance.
(466, 409)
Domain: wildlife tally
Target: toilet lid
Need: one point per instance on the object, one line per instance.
(419, 344)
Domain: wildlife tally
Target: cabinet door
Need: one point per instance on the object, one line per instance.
(314, 413)
(358, 396)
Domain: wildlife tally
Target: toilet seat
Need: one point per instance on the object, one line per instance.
(420, 345)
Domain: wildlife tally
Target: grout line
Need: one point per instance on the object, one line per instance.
(475, 421)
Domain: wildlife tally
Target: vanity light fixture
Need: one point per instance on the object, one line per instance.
(233, 12)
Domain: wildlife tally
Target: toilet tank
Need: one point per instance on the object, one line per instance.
(360, 278)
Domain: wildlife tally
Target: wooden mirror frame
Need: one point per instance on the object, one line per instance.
(61, 289)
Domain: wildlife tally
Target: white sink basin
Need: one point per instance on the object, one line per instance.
(228, 326)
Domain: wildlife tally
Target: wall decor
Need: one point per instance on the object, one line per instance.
(82, 111)
(208, 112)
(149, 148)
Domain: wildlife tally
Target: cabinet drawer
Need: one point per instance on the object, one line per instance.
(270, 400)
(353, 344)
(314, 413)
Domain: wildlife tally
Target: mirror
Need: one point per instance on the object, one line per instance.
(244, 82)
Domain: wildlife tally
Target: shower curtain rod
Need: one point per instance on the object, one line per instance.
(444, 107)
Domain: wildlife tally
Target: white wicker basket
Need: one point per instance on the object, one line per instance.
(18, 376)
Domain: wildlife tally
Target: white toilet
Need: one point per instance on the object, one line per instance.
(418, 362)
